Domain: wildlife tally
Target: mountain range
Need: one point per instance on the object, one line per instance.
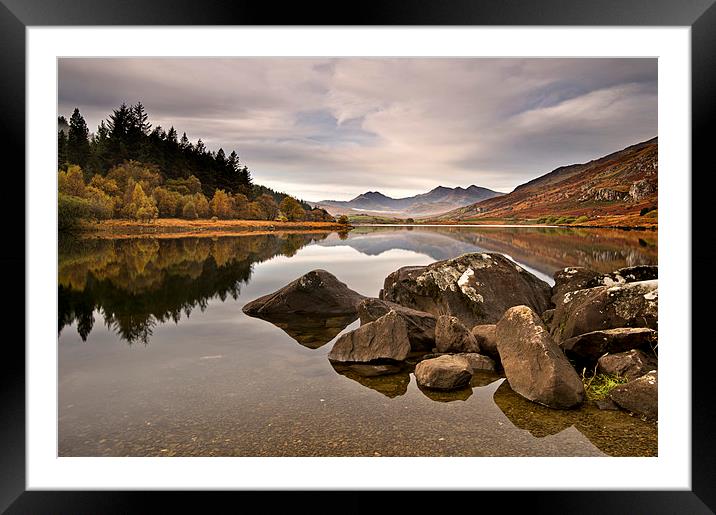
(614, 189)
(434, 202)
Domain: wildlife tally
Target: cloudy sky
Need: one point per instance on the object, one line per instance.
(335, 128)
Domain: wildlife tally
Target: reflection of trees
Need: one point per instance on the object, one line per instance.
(137, 283)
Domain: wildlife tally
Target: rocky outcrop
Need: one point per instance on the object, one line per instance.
(486, 340)
(639, 396)
(606, 307)
(420, 325)
(534, 365)
(452, 336)
(477, 288)
(443, 373)
(384, 339)
(315, 293)
(588, 347)
(642, 189)
(630, 365)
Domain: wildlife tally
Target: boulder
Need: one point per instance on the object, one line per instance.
(547, 317)
(420, 325)
(477, 362)
(443, 373)
(571, 279)
(636, 273)
(606, 307)
(639, 396)
(630, 365)
(534, 365)
(485, 336)
(588, 347)
(453, 336)
(384, 339)
(477, 288)
(315, 293)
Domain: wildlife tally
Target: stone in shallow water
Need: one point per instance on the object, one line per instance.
(477, 288)
(316, 293)
(389, 384)
(461, 394)
(486, 340)
(477, 362)
(534, 365)
(443, 373)
(639, 396)
(384, 339)
(452, 336)
(420, 325)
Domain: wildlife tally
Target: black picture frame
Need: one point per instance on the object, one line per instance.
(16, 15)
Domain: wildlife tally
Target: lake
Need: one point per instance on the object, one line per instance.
(156, 357)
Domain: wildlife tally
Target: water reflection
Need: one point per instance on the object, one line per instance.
(311, 332)
(138, 283)
(389, 380)
(544, 249)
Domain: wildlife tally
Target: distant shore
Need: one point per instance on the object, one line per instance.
(177, 227)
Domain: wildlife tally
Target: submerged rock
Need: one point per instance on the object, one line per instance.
(389, 384)
(588, 347)
(461, 394)
(606, 307)
(630, 365)
(420, 325)
(443, 373)
(477, 288)
(310, 331)
(534, 365)
(453, 336)
(384, 339)
(639, 396)
(315, 293)
(486, 340)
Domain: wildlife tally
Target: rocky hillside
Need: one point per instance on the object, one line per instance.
(619, 186)
(437, 200)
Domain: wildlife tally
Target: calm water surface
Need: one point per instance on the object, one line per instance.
(156, 357)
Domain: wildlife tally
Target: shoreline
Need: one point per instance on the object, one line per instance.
(493, 225)
(178, 228)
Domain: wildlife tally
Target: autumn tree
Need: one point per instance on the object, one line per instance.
(268, 205)
(222, 205)
(291, 209)
(71, 182)
(140, 206)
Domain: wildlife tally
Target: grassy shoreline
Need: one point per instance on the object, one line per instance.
(176, 227)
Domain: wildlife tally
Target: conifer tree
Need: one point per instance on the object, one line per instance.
(77, 140)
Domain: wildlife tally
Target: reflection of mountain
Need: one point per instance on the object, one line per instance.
(613, 432)
(543, 249)
(136, 283)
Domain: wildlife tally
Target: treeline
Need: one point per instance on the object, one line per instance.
(126, 169)
(138, 191)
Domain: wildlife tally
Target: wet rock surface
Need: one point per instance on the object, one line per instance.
(316, 293)
(534, 365)
(420, 325)
(639, 396)
(630, 365)
(452, 336)
(606, 307)
(588, 347)
(477, 288)
(443, 373)
(384, 339)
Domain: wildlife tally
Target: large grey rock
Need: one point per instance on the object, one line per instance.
(452, 336)
(477, 288)
(384, 339)
(534, 365)
(420, 325)
(588, 347)
(315, 293)
(639, 396)
(486, 340)
(443, 373)
(630, 365)
(606, 307)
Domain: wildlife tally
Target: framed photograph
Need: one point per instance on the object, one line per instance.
(408, 250)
